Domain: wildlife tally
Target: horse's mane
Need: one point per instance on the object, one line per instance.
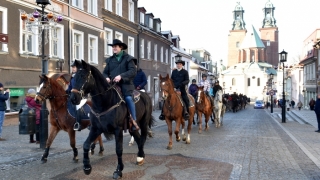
(99, 77)
(56, 86)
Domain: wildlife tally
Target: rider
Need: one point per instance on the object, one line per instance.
(193, 88)
(206, 87)
(140, 80)
(77, 125)
(180, 78)
(120, 68)
(216, 87)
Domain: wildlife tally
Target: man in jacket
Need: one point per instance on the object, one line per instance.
(4, 95)
(193, 88)
(140, 80)
(120, 68)
(180, 78)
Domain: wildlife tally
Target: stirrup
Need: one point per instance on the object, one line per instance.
(77, 127)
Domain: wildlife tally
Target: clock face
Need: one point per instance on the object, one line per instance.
(238, 23)
(267, 21)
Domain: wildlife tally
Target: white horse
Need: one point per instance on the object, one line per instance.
(219, 109)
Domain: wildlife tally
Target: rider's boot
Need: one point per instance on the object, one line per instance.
(185, 112)
(133, 124)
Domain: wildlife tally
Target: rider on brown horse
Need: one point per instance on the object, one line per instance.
(180, 78)
(206, 87)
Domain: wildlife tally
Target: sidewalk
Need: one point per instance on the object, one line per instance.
(17, 149)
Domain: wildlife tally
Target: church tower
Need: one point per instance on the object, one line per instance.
(236, 35)
(269, 35)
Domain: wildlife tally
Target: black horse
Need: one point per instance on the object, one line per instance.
(109, 113)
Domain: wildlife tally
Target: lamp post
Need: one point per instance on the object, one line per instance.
(41, 21)
(271, 92)
(283, 58)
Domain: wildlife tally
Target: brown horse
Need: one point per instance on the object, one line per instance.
(60, 119)
(204, 107)
(172, 110)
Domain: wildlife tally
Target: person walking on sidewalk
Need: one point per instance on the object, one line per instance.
(292, 103)
(4, 95)
(37, 107)
(299, 105)
(311, 104)
(317, 111)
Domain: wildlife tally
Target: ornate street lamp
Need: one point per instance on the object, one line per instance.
(271, 92)
(283, 58)
(178, 57)
(39, 23)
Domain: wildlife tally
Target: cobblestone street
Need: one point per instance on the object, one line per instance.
(252, 144)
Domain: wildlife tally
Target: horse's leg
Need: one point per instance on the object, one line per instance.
(169, 124)
(192, 110)
(207, 116)
(140, 139)
(177, 129)
(200, 122)
(118, 133)
(101, 145)
(72, 137)
(183, 124)
(92, 147)
(131, 141)
(53, 133)
(94, 133)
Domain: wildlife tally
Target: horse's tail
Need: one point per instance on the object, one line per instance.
(108, 136)
(151, 122)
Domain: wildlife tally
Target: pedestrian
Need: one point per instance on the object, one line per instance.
(292, 103)
(317, 111)
(4, 95)
(37, 107)
(268, 104)
(120, 68)
(193, 88)
(299, 105)
(140, 80)
(312, 102)
(288, 105)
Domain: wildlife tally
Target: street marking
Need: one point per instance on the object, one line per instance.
(304, 149)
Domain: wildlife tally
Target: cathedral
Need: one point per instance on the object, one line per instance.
(251, 58)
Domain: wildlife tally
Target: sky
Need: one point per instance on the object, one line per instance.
(206, 23)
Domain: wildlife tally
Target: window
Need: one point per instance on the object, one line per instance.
(107, 40)
(149, 84)
(57, 42)
(28, 40)
(77, 44)
(248, 81)
(142, 48)
(108, 5)
(237, 44)
(158, 27)
(233, 81)
(151, 23)
(131, 46)
(149, 49)
(258, 82)
(4, 26)
(166, 56)
(172, 63)
(141, 18)
(161, 54)
(93, 49)
(119, 7)
(92, 6)
(131, 11)
(77, 3)
(118, 35)
(155, 52)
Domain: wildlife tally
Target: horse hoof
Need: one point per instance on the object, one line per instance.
(130, 144)
(140, 161)
(117, 174)
(169, 147)
(43, 160)
(101, 153)
(75, 159)
(199, 131)
(92, 152)
(188, 142)
(178, 139)
(87, 170)
(184, 139)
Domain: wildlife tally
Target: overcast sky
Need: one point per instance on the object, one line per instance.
(206, 23)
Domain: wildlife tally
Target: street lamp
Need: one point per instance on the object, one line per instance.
(283, 58)
(271, 92)
(38, 22)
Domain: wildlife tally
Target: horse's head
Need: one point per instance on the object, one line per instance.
(83, 82)
(166, 86)
(200, 94)
(45, 91)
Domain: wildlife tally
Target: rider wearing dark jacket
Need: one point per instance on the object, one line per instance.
(140, 80)
(193, 88)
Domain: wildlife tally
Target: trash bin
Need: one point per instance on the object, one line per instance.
(27, 121)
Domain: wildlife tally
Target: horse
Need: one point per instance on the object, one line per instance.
(60, 119)
(203, 106)
(172, 110)
(219, 108)
(109, 113)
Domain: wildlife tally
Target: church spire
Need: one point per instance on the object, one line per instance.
(238, 22)
(268, 20)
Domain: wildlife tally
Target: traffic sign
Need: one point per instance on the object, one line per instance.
(4, 38)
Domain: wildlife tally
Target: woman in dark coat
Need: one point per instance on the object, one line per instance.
(37, 107)
(120, 68)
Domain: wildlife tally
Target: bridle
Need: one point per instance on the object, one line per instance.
(81, 91)
(46, 94)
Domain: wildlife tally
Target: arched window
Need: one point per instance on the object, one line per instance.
(248, 82)
(258, 82)
(233, 82)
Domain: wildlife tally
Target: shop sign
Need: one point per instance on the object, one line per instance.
(16, 91)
